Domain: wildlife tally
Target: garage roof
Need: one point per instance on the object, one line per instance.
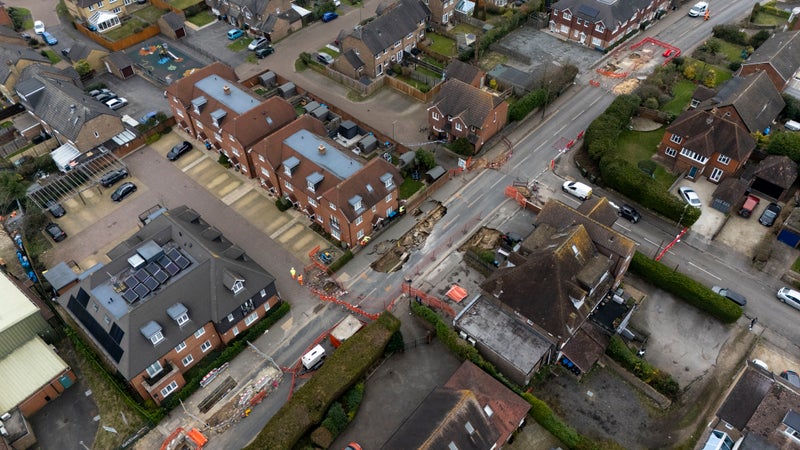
(29, 368)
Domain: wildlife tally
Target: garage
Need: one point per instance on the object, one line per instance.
(774, 176)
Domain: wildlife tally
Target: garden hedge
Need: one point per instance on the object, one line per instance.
(660, 381)
(685, 288)
(341, 370)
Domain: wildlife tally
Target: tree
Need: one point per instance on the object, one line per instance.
(713, 46)
(425, 158)
(11, 188)
(83, 67)
(785, 143)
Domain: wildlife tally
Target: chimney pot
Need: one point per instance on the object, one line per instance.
(322, 149)
(226, 89)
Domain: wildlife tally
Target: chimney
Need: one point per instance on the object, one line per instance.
(72, 109)
(226, 89)
(322, 149)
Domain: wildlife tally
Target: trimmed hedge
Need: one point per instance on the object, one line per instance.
(685, 288)
(660, 381)
(341, 370)
(339, 263)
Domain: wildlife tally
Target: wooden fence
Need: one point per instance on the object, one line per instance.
(121, 44)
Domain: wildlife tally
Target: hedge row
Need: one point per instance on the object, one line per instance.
(685, 288)
(339, 263)
(342, 369)
(660, 381)
(542, 413)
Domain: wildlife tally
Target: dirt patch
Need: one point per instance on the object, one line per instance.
(395, 255)
(483, 239)
(626, 87)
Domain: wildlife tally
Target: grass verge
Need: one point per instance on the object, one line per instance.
(636, 146)
(239, 44)
(681, 96)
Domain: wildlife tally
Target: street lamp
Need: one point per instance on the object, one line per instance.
(408, 280)
(682, 214)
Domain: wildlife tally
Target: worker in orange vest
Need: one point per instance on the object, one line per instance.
(708, 14)
(300, 279)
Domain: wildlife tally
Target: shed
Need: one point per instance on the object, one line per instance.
(61, 277)
(407, 158)
(119, 64)
(287, 90)
(268, 79)
(320, 113)
(368, 144)
(435, 173)
(345, 330)
(774, 176)
(790, 231)
(311, 106)
(63, 156)
(172, 24)
(348, 129)
(729, 194)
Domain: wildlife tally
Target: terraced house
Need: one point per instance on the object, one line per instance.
(271, 18)
(601, 23)
(102, 15)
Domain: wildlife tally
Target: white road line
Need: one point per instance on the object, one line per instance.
(700, 268)
(648, 240)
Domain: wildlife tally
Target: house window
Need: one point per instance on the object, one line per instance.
(458, 126)
(695, 103)
(262, 293)
(410, 36)
(236, 152)
(567, 15)
(332, 206)
(265, 172)
(312, 202)
(100, 4)
(217, 137)
(435, 116)
(288, 185)
(266, 307)
(187, 360)
(199, 333)
(360, 234)
(596, 41)
(336, 235)
(260, 157)
(154, 369)
(235, 331)
(676, 139)
(91, 7)
(792, 433)
(724, 159)
(693, 156)
(230, 317)
(169, 389)
(578, 21)
(359, 219)
(397, 44)
(117, 10)
(716, 174)
(374, 208)
(95, 307)
(182, 319)
(334, 222)
(106, 319)
(250, 319)
(388, 198)
(238, 286)
(206, 345)
(379, 69)
(179, 348)
(600, 28)
(671, 152)
(157, 337)
(96, 134)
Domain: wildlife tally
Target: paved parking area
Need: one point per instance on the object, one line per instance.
(543, 49)
(142, 95)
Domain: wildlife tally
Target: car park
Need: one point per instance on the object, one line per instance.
(235, 34)
(690, 196)
(111, 178)
(265, 51)
(791, 376)
(328, 16)
(733, 296)
(628, 212)
(577, 189)
(124, 190)
(55, 209)
(38, 27)
(770, 214)
(749, 206)
(49, 38)
(325, 58)
(257, 43)
(55, 232)
(698, 9)
(789, 296)
(178, 150)
(117, 103)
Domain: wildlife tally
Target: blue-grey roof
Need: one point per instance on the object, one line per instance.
(792, 419)
(60, 276)
(199, 101)
(177, 310)
(237, 100)
(308, 144)
(609, 12)
(291, 162)
(150, 328)
(357, 203)
(394, 22)
(315, 178)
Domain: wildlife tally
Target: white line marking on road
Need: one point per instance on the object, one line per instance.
(648, 240)
(704, 270)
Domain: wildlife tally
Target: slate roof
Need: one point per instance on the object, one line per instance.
(353, 59)
(462, 71)
(442, 418)
(80, 50)
(586, 346)
(512, 76)
(731, 190)
(703, 93)
(290, 15)
(199, 287)
(508, 409)
(745, 397)
(609, 13)
(459, 99)
(600, 210)
(251, 126)
(777, 169)
(705, 133)
(769, 420)
(754, 97)
(781, 51)
(393, 23)
(120, 59)
(15, 53)
(173, 19)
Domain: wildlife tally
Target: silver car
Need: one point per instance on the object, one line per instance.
(789, 296)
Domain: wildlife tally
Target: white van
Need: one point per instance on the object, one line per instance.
(313, 359)
(577, 189)
(792, 125)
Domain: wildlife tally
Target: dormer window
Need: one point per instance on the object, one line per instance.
(198, 103)
(238, 286)
(217, 116)
(179, 313)
(358, 204)
(314, 181)
(290, 165)
(232, 281)
(388, 180)
(152, 331)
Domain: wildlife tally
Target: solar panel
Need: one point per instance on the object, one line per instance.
(116, 333)
(130, 282)
(130, 296)
(141, 290)
(174, 254)
(160, 276)
(152, 268)
(172, 269)
(151, 283)
(588, 11)
(141, 274)
(163, 261)
(182, 262)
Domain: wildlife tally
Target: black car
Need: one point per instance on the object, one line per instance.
(124, 190)
(55, 232)
(265, 51)
(55, 209)
(178, 150)
(770, 214)
(630, 213)
(111, 178)
(733, 296)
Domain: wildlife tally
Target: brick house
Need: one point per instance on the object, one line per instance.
(345, 196)
(442, 11)
(398, 27)
(102, 15)
(600, 24)
(463, 111)
(271, 18)
(779, 58)
(171, 293)
(216, 110)
(751, 101)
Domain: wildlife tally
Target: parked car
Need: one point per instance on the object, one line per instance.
(733, 296)
(324, 58)
(105, 96)
(55, 209)
(791, 376)
(770, 215)
(791, 125)
(257, 43)
(38, 27)
(176, 152)
(328, 16)
(235, 34)
(117, 103)
(761, 364)
(111, 178)
(49, 38)
(749, 206)
(789, 296)
(630, 213)
(698, 9)
(124, 190)
(690, 196)
(265, 51)
(352, 446)
(94, 93)
(55, 232)
(577, 189)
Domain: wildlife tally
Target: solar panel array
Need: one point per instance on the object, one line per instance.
(154, 274)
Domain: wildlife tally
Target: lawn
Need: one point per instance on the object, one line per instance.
(636, 146)
(763, 18)
(204, 17)
(127, 28)
(432, 61)
(428, 72)
(681, 96)
(796, 265)
(183, 4)
(52, 56)
(409, 187)
(732, 52)
(442, 45)
(27, 22)
(239, 44)
(149, 14)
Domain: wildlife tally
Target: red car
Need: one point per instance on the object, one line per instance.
(353, 446)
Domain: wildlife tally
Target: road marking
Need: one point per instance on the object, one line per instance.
(700, 268)
(648, 240)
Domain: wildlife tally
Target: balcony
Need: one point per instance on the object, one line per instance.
(150, 383)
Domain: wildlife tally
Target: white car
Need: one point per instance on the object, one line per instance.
(698, 9)
(38, 27)
(690, 196)
(789, 296)
(117, 103)
(257, 43)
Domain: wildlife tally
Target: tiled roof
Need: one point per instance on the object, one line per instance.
(777, 169)
(270, 115)
(600, 210)
(705, 133)
(462, 71)
(745, 397)
(184, 88)
(15, 53)
(754, 97)
(586, 346)
(353, 59)
(365, 183)
(781, 51)
(120, 59)
(459, 99)
(393, 23)
(731, 190)
(609, 13)
(173, 19)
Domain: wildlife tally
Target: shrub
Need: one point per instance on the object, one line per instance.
(396, 343)
(462, 146)
(759, 38)
(734, 66)
(339, 263)
(224, 161)
(355, 396)
(336, 419)
(730, 33)
(283, 204)
(660, 381)
(685, 288)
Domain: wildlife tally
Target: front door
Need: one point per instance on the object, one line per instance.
(692, 173)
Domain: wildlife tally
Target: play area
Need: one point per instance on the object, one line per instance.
(162, 62)
(621, 72)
